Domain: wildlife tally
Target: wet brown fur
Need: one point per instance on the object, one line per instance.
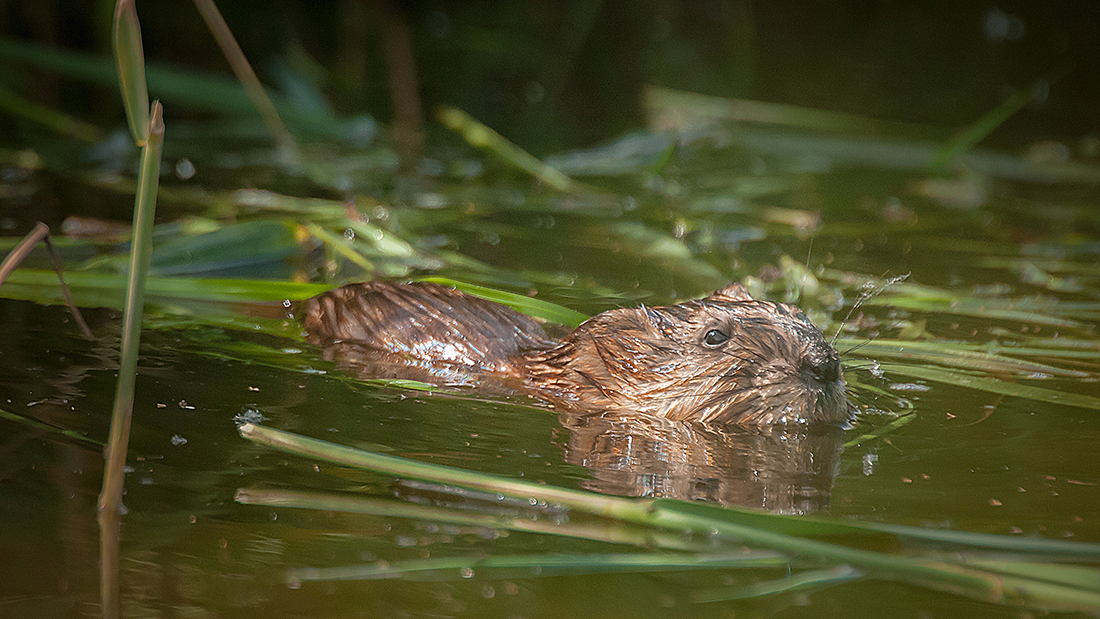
(775, 366)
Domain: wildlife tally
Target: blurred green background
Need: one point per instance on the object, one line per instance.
(559, 75)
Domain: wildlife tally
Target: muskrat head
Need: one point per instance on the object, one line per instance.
(727, 358)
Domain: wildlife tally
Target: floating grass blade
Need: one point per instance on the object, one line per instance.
(666, 103)
(524, 566)
(946, 353)
(806, 581)
(1029, 311)
(597, 504)
(931, 572)
(994, 385)
(601, 531)
(40, 425)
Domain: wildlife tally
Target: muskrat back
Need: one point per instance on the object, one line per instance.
(727, 358)
(422, 322)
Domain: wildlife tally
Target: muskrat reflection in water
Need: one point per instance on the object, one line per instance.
(725, 359)
(786, 468)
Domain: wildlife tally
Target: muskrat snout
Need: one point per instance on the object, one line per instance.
(825, 370)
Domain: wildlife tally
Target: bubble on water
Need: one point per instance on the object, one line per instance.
(869, 462)
(248, 415)
(466, 572)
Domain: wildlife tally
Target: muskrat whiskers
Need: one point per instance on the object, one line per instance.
(857, 347)
(870, 291)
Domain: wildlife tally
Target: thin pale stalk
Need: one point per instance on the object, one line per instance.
(22, 250)
(110, 499)
(65, 291)
(41, 232)
(140, 252)
(241, 67)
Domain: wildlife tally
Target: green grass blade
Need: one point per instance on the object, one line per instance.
(946, 353)
(594, 530)
(704, 519)
(968, 138)
(804, 582)
(40, 425)
(106, 289)
(1022, 310)
(483, 137)
(130, 63)
(522, 304)
(347, 456)
(342, 246)
(543, 565)
(994, 385)
(1068, 575)
(1001, 543)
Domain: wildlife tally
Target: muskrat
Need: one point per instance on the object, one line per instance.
(727, 358)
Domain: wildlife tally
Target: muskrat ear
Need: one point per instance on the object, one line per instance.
(732, 293)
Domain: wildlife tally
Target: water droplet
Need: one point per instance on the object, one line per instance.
(185, 169)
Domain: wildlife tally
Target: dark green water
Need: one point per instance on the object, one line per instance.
(968, 460)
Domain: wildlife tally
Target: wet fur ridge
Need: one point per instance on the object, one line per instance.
(724, 359)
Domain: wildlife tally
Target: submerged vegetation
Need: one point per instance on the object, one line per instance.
(941, 266)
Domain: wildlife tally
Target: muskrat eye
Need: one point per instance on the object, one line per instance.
(714, 337)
